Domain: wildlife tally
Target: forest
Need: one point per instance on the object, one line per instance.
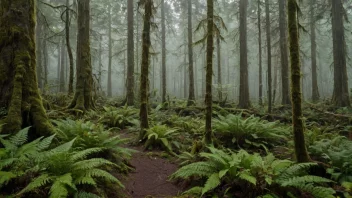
(176, 98)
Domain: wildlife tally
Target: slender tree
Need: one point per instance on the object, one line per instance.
(191, 95)
(208, 137)
(62, 68)
(19, 92)
(163, 52)
(218, 47)
(260, 54)
(109, 85)
(284, 53)
(313, 50)
(268, 43)
(296, 96)
(68, 46)
(130, 53)
(83, 98)
(244, 87)
(146, 43)
(340, 95)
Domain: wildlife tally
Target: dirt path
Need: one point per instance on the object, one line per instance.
(150, 177)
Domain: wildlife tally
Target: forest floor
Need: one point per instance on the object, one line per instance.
(150, 175)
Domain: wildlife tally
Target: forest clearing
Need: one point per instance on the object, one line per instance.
(175, 98)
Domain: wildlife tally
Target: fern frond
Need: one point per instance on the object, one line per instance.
(91, 163)
(20, 137)
(83, 154)
(104, 175)
(5, 177)
(197, 168)
(212, 182)
(296, 181)
(38, 182)
(83, 194)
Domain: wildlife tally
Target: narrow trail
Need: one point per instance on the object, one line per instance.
(150, 177)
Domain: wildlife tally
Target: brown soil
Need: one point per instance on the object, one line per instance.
(150, 177)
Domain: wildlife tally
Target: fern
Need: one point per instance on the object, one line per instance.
(160, 135)
(255, 173)
(249, 132)
(120, 117)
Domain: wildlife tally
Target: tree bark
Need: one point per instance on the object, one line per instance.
(284, 54)
(62, 68)
(244, 102)
(163, 52)
(268, 40)
(143, 113)
(260, 55)
(130, 53)
(109, 84)
(191, 94)
(219, 68)
(340, 95)
(208, 136)
(39, 45)
(296, 96)
(83, 98)
(19, 92)
(313, 49)
(68, 46)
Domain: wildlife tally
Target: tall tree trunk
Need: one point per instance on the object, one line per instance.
(130, 53)
(284, 54)
(68, 46)
(83, 98)
(297, 121)
(100, 61)
(268, 40)
(219, 68)
(39, 42)
(45, 61)
(191, 95)
(163, 52)
(208, 136)
(260, 55)
(19, 92)
(340, 95)
(185, 72)
(109, 85)
(62, 68)
(313, 50)
(143, 113)
(244, 89)
(58, 65)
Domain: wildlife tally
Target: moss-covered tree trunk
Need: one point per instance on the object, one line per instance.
(130, 54)
(296, 96)
(18, 80)
(208, 136)
(83, 98)
(260, 54)
(268, 46)
(143, 113)
(191, 95)
(68, 46)
(340, 95)
(284, 54)
(39, 45)
(244, 87)
(313, 50)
